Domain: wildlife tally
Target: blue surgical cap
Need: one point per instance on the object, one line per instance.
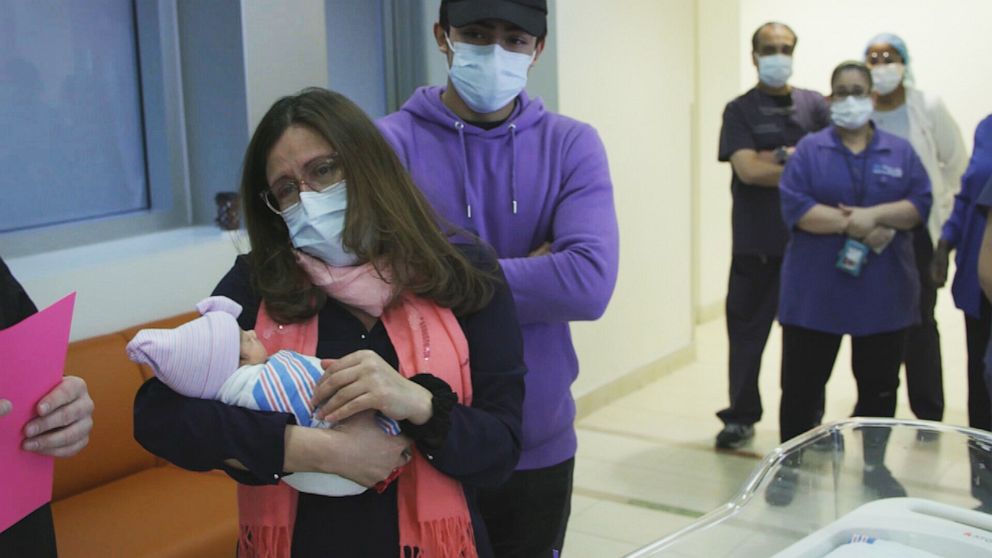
(896, 42)
(891, 39)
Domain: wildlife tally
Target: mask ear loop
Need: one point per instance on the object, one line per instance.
(451, 49)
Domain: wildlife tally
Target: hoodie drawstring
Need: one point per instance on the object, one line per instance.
(465, 186)
(513, 165)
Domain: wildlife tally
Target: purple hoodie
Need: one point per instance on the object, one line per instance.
(537, 177)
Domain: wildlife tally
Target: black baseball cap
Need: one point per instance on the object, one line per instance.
(529, 15)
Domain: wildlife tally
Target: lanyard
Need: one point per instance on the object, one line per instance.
(860, 187)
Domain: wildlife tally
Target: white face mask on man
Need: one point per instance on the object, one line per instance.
(487, 77)
(317, 223)
(775, 70)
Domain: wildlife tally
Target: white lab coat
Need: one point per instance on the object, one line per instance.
(936, 139)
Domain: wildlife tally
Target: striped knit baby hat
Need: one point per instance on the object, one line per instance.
(195, 358)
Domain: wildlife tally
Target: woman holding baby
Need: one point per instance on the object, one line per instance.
(349, 263)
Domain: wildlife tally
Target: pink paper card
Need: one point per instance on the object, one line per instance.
(32, 356)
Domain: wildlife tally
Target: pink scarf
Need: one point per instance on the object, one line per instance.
(433, 515)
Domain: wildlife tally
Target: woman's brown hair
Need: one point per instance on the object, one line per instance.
(388, 220)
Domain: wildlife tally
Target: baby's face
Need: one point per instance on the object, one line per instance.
(252, 351)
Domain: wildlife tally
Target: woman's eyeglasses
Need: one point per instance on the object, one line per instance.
(319, 175)
(884, 57)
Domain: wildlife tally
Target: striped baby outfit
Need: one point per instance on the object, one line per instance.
(286, 383)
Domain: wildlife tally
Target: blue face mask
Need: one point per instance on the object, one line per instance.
(487, 77)
(317, 223)
(775, 70)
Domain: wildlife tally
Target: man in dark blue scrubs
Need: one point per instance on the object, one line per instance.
(760, 130)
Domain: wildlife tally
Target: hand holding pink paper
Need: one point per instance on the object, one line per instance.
(32, 357)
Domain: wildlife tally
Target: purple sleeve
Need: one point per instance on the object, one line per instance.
(969, 194)
(199, 434)
(482, 445)
(919, 193)
(979, 163)
(985, 198)
(951, 231)
(576, 280)
(735, 134)
(795, 189)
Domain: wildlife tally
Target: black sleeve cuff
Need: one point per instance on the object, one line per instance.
(431, 435)
(199, 434)
(263, 459)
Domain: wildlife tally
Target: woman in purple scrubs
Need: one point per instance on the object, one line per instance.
(849, 194)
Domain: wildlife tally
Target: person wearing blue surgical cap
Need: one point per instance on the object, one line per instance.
(922, 119)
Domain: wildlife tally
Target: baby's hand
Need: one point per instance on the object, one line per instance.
(317, 423)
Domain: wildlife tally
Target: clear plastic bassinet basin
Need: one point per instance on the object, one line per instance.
(944, 512)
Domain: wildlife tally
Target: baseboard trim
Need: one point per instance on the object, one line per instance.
(709, 312)
(633, 381)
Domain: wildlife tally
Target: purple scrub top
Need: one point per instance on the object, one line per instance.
(815, 294)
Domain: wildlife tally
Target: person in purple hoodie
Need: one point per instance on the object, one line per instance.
(536, 186)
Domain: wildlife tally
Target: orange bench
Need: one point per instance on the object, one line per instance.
(116, 499)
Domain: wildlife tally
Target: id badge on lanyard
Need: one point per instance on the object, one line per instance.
(854, 255)
(852, 258)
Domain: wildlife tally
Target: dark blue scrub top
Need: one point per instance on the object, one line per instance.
(762, 122)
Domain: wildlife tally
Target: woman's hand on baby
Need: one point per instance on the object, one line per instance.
(362, 381)
(356, 449)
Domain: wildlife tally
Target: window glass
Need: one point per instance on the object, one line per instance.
(72, 146)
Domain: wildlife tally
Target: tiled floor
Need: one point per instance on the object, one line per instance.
(646, 465)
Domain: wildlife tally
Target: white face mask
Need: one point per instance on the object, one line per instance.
(851, 113)
(887, 77)
(487, 77)
(775, 70)
(317, 222)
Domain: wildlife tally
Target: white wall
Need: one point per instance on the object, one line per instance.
(718, 76)
(948, 41)
(627, 70)
(125, 282)
(948, 44)
(285, 50)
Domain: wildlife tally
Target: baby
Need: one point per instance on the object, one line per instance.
(211, 357)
